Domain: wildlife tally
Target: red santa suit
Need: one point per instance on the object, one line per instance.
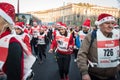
(28, 57)
(11, 51)
(64, 45)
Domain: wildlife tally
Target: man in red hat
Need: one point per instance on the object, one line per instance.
(85, 29)
(99, 60)
(11, 51)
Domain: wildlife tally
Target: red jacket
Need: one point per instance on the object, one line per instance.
(14, 61)
(70, 45)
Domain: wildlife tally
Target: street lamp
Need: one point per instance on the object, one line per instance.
(63, 12)
(18, 7)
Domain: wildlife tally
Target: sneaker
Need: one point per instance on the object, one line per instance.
(62, 79)
(30, 77)
(36, 57)
(40, 61)
(67, 77)
(75, 60)
(3, 76)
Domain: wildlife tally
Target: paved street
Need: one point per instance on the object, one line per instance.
(48, 70)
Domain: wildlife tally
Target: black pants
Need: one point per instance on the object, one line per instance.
(14, 64)
(63, 64)
(41, 51)
(75, 51)
(33, 44)
(96, 78)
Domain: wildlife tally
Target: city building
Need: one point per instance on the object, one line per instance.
(75, 14)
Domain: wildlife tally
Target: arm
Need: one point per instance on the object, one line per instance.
(53, 45)
(27, 42)
(47, 39)
(14, 63)
(71, 43)
(83, 56)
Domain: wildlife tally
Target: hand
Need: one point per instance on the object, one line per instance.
(70, 48)
(50, 51)
(86, 77)
(1, 72)
(35, 45)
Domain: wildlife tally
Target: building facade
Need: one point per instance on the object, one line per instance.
(74, 14)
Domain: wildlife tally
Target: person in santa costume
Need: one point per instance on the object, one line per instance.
(27, 29)
(63, 43)
(28, 57)
(11, 55)
(116, 26)
(42, 43)
(55, 29)
(85, 29)
(99, 60)
(19, 28)
(34, 32)
(12, 48)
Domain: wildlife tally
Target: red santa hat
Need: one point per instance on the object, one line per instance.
(86, 23)
(7, 11)
(20, 25)
(42, 27)
(27, 25)
(104, 18)
(58, 23)
(63, 26)
(45, 27)
(116, 25)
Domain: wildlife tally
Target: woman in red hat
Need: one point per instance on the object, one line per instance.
(63, 43)
(11, 51)
(29, 59)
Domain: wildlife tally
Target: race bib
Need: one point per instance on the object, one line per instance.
(108, 50)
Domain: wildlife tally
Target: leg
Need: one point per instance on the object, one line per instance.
(34, 46)
(44, 50)
(14, 63)
(40, 52)
(60, 65)
(75, 53)
(67, 60)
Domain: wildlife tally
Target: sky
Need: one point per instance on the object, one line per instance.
(37, 5)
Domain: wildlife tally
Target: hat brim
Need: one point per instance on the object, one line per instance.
(6, 17)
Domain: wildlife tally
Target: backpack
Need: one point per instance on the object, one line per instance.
(93, 36)
(77, 41)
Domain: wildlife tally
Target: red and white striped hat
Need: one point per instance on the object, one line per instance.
(58, 23)
(104, 17)
(63, 25)
(87, 23)
(7, 11)
(20, 25)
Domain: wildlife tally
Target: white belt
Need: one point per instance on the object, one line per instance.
(92, 64)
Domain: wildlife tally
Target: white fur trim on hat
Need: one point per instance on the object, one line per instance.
(96, 23)
(6, 17)
(109, 18)
(63, 27)
(16, 26)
